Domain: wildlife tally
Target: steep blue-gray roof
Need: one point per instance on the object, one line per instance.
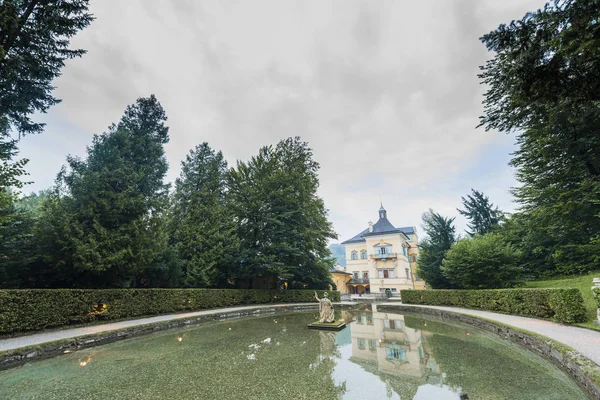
(357, 238)
(409, 230)
(382, 227)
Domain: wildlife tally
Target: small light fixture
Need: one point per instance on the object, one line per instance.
(179, 338)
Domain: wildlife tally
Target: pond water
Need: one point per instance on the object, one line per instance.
(377, 356)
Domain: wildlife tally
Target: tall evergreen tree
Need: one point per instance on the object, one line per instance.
(111, 205)
(34, 44)
(544, 83)
(16, 244)
(482, 215)
(441, 234)
(282, 222)
(202, 227)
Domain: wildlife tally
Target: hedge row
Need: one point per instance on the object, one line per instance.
(562, 305)
(28, 310)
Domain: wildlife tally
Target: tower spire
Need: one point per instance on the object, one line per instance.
(382, 212)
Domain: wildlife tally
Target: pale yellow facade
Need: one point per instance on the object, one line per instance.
(383, 257)
(384, 340)
(340, 277)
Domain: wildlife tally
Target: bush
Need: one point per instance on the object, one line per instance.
(482, 262)
(27, 310)
(562, 305)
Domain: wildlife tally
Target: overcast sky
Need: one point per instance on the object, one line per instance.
(385, 92)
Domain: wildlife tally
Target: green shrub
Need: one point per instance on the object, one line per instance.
(483, 262)
(28, 310)
(562, 305)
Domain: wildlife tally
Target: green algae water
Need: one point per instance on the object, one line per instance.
(377, 356)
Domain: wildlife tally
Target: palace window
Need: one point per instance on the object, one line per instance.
(386, 273)
(365, 275)
(354, 255)
(394, 352)
(363, 254)
(407, 273)
(392, 324)
(404, 250)
(372, 344)
(384, 250)
(361, 343)
(355, 274)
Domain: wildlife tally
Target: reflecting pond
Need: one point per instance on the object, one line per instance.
(377, 356)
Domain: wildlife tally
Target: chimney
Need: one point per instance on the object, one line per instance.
(370, 226)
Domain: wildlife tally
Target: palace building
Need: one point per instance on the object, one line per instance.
(382, 257)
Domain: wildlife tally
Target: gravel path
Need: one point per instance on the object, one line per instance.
(585, 341)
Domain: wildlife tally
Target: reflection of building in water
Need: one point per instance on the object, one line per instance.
(383, 340)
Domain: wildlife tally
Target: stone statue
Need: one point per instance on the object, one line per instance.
(326, 313)
(596, 293)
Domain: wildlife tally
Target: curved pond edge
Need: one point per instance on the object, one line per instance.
(583, 370)
(15, 357)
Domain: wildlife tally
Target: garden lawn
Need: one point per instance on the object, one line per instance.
(581, 282)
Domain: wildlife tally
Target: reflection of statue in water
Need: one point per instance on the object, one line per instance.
(328, 347)
(325, 309)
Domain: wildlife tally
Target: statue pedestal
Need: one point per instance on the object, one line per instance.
(329, 326)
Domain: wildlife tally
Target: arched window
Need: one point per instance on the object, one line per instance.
(354, 255)
(363, 254)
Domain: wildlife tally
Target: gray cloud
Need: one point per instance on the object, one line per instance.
(385, 92)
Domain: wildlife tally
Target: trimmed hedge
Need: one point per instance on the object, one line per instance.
(27, 310)
(562, 305)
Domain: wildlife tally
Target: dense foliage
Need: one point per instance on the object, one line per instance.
(562, 305)
(26, 310)
(441, 234)
(202, 228)
(34, 44)
(110, 221)
(482, 215)
(544, 83)
(281, 222)
(483, 262)
(104, 224)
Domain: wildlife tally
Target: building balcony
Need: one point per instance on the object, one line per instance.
(358, 281)
(383, 256)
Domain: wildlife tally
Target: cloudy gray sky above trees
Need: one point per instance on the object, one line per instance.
(385, 92)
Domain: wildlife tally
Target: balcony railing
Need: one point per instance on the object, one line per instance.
(359, 281)
(384, 256)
